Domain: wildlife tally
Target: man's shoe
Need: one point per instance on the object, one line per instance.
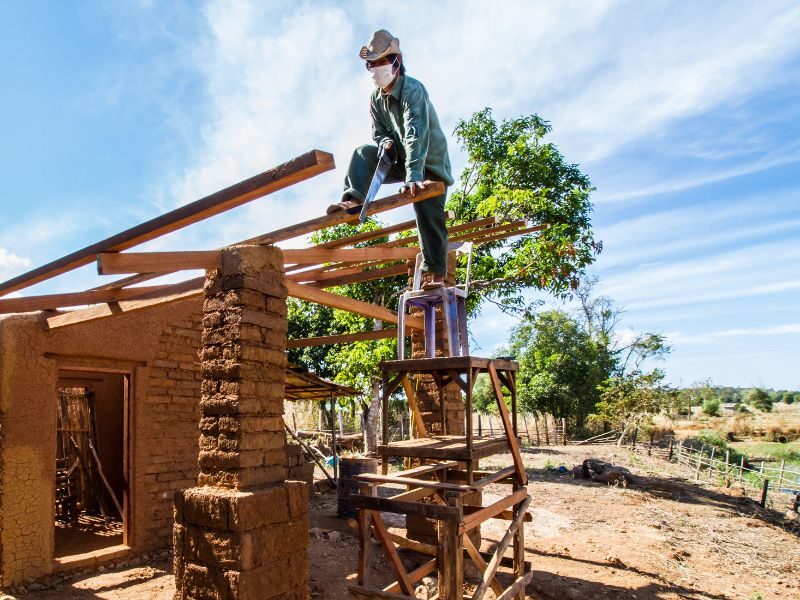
(351, 207)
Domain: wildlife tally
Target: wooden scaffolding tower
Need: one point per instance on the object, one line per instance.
(441, 486)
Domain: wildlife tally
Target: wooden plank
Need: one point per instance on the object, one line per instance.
(494, 564)
(115, 263)
(508, 234)
(476, 557)
(296, 170)
(304, 292)
(476, 518)
(472, 235)
(446, 363)
(518, 587)
(512, 439)
(367, 236)
(434, 485)
(419, 509)
(428, 469)
(505, 515)
(427, 549)
(181, 291)
(495, 477)
(399, 570)
(362, 276)
(413, 495)
(413, 404)
(418, 573)
(326, 255)
(359, 591)
(451, 572)
(337, 218)
(344, 338)
(53, 301)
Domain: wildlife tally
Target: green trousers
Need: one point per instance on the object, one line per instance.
(430, 213)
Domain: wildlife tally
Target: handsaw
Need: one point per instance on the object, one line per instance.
(385, 163)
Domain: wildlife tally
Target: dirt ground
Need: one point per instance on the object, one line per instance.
(663, 538)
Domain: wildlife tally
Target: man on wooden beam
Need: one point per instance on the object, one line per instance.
(405, 124)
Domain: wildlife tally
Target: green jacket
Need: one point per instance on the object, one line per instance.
(407, 116)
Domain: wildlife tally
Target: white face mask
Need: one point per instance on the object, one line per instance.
(382, 76)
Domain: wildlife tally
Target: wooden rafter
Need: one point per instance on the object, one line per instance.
(52, 301)
(296, 170)
(320, 255)
(113, 263)
(304, 292)
(180, 291)
(345, 338)
(337, 218)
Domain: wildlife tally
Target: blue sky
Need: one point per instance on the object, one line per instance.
(685, 116)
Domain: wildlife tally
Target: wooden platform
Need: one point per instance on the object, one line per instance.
(446, 447)
(456, 363)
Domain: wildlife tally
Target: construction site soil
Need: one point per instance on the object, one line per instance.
(665, 537)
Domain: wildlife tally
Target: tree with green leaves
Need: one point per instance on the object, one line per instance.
(630, 401)
(711, 407)
(561, 366)
(758, 398)
(512, 173)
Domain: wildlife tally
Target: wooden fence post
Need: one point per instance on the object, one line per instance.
(546, 432)
(764, 488)
(525, 422)
(563, 431)
(711, 463)
(480, 426)
(699, 457)
(741, 469)
(780, 474)
(536, 424)
(727, 468)
(671, 444)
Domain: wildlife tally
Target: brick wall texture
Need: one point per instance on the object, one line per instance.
(242, 533)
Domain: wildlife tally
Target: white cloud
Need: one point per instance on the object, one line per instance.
(11, 264)
(741, 333)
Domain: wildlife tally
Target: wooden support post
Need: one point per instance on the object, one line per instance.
(451, 561)
(480, 426)
(385, 421)
(519, 547)
(513, 446)
(671, 444)
(491, 570)
(536, 424)
(364, 542)
(764, 489)
(563, 431)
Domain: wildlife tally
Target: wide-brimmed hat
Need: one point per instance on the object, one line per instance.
(382, 44)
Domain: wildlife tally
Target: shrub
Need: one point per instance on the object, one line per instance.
(711, 407)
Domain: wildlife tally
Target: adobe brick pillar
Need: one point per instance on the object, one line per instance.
(242, 533)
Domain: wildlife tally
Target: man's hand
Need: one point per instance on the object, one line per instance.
(413, 186)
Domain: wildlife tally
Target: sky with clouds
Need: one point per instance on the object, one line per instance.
(685, 116)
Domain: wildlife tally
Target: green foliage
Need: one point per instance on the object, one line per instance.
(513, 174)
(709, 437)
(760, 399)
(560, 365)
(629, 401)
(483, 398)
(711, 407)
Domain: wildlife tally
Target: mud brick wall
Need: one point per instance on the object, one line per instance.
(243, 532)
(168, 443)
(158, 347)
(299, 467)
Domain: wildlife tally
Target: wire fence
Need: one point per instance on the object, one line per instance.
(710, 465)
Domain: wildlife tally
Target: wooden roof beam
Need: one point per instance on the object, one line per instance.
(298, 169)
(114, 263)
(344, 338)
(53, 301)
(305, 292)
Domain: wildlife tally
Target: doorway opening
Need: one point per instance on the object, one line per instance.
(91, 461)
